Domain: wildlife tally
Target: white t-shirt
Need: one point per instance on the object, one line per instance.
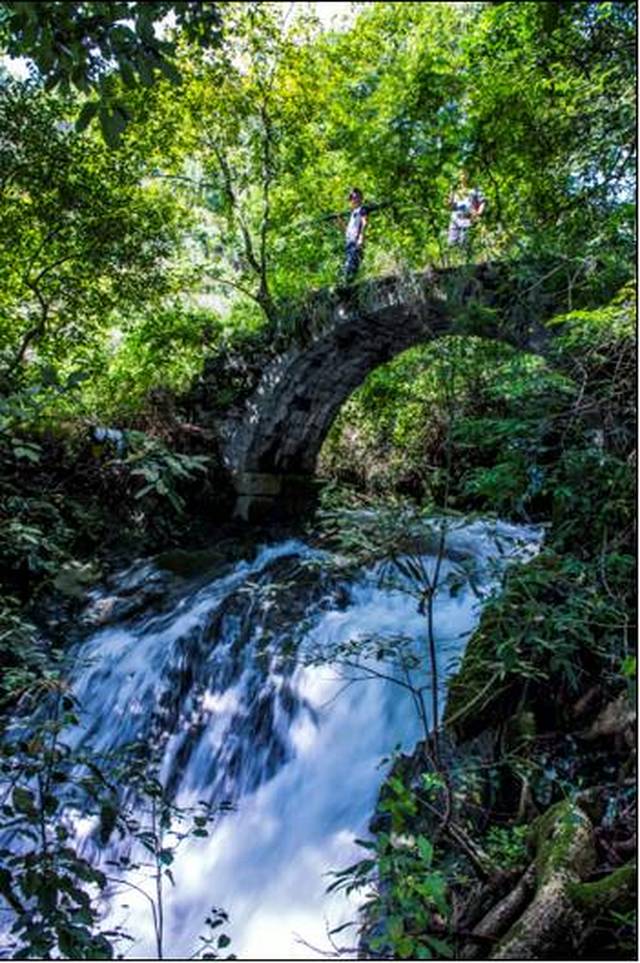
(464, 206)
(354, 225)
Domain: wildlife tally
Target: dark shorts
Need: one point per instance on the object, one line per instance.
(353, 257)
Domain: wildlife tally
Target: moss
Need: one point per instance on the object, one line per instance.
(564, 842)
(525, 647)
(513, 934)
(490, 681)
(618, 887)
(475, 697)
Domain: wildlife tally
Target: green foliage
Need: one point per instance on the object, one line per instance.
(393, 101)
(51, 888)
(34, 546)
(53, 891)
(592, 487)
(81, 238)
(507, 845)
(499, 486)
(597, 349)
(214, 941)
(79, 45)
(160, 351)
(558, 624)
(22, 654)
(159, 827)
(550, 100)
(62, 498)
(629, 671)
(159, 470)
(406, 906)
(261, 140)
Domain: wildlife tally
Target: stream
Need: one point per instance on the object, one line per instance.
(214, 670)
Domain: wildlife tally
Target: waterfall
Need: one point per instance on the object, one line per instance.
(219, 678)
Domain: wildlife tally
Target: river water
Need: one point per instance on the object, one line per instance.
(215, 673)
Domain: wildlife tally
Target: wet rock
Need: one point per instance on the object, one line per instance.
(617, 718)
(102, 611)
(105, 610)
(186, 564)
(75, 579)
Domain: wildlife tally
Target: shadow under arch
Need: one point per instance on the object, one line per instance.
(389, 431)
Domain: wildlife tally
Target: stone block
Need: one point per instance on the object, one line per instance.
(257, 483)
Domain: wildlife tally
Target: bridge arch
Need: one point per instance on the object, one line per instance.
(278, 432)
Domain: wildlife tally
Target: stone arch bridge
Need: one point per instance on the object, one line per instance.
(271, 442)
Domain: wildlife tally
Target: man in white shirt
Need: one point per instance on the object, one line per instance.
(354, 234)
(466, 207)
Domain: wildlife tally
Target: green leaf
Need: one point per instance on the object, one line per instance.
(425, 848)
(86, 115)
(423, 953)
(23, 801)
(405, 948)
(75, 378)
(395, 927)
(170, 71)
(628, 667)
(439, 946)
(145, 70)
(28, 454)
(113, 123)
(51, 804)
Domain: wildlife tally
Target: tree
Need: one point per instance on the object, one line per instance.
(550, 101)
(79, 45)
(80, 235)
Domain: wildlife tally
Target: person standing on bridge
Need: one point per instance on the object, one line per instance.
(354, 235)
(466, 206)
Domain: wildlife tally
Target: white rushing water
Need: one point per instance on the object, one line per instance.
(293, 746)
